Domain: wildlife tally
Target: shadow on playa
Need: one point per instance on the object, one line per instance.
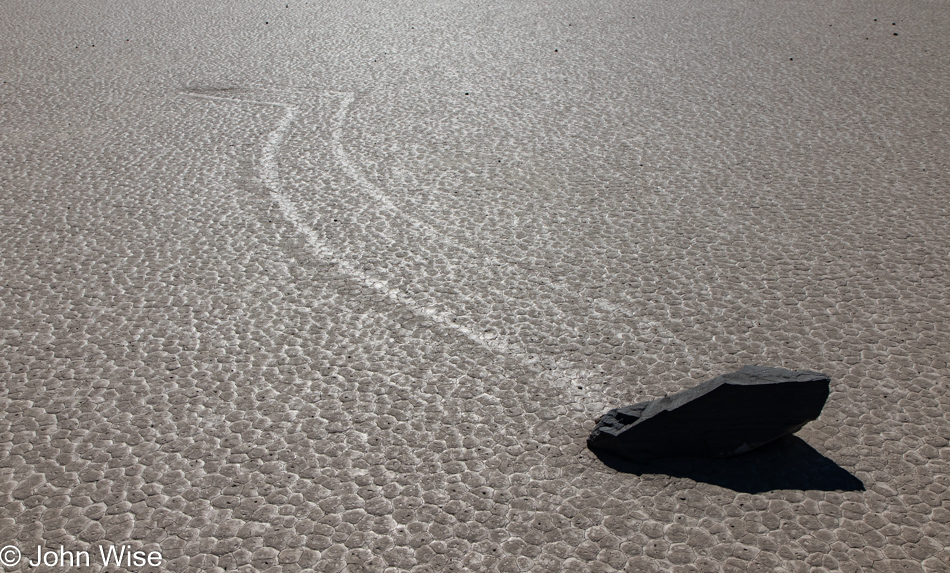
(788, 463)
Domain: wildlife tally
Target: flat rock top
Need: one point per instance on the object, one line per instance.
(329, 285)
(754, 375)
(745, 376)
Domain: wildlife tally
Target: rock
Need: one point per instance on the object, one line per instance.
(726, 416)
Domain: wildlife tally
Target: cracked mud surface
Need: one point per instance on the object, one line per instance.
(290, 286)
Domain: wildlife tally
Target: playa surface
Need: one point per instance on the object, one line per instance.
(344, 286)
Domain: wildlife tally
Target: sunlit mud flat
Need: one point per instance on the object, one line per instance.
(344, 288)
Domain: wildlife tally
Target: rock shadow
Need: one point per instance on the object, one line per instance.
(788, 463)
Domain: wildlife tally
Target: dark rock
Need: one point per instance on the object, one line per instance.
(726, 416)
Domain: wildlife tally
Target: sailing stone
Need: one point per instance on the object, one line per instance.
(726, 416)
